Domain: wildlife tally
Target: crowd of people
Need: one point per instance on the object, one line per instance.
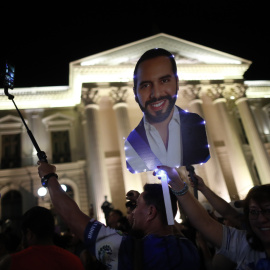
(141, 238)
(240, 244)
(215, 236)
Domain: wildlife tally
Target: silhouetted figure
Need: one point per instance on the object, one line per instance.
(39, 250)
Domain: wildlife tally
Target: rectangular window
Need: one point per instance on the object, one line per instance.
(11, 151)
(60, 146)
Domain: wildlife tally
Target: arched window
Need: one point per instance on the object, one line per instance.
(11, 205)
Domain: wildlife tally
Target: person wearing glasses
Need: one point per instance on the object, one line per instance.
(249, 248)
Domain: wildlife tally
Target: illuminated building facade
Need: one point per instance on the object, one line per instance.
(82, 127)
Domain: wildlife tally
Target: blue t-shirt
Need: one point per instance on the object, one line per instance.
(117, 251)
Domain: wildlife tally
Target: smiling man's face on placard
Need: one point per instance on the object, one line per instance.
(156, 88)
(166, 134)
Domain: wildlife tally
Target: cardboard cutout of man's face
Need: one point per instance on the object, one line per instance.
(156, 89)
(165, 130)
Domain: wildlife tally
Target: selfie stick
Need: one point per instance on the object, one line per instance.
(190, 169)
(41, 155)
(166, 194)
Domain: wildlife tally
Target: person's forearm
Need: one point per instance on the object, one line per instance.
(219, 204)
(200, 219)
(67, 208)
(197, 215)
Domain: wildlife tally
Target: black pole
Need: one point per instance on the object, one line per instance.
(190, 169)
(41, 154)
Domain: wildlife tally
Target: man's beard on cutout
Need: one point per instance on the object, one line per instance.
(160, 116)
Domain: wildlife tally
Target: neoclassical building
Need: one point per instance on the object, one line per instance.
(82, 127)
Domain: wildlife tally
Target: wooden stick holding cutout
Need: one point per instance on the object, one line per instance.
(166, 194)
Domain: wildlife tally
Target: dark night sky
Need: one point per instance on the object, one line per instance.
(41, 41)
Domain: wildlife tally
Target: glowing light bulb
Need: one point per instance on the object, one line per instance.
(64, 187)
(160, 173)
(42, 191)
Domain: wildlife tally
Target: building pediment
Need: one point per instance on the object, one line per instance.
(10, 124)
(10, 119)
(195, 63)
(58, 121)
(185, 52)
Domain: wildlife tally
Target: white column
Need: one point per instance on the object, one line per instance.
(98, 185)
(257, 147)
(266, 126)
(240, 170)
(131, 181)
(212, 167)
(38, 130)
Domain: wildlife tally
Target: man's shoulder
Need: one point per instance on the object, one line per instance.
(169, 239)
(138, 132)
(188, 115)
(180, 252)
(54, 255)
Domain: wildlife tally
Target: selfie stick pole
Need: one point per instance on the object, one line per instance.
(41, 155)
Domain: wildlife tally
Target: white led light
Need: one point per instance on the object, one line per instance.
(64, 187)
(160, 173)
(42, 191)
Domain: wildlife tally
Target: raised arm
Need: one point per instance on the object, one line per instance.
(199, 218)
(69, 211)
(220, 205)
